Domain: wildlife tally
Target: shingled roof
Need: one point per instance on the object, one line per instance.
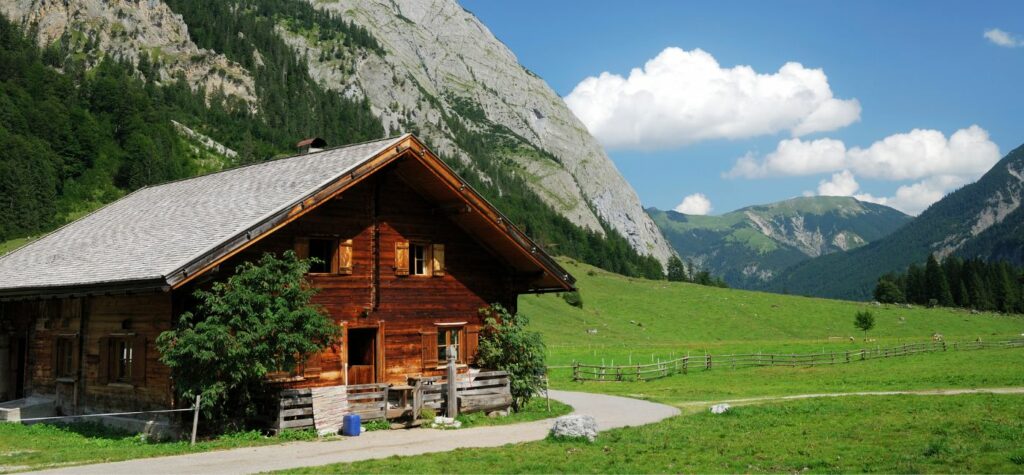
(162, 236)
(155, 231)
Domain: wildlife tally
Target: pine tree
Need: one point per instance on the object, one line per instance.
(676, 272)
(936, 284)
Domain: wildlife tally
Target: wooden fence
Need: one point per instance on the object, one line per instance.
(661, 369)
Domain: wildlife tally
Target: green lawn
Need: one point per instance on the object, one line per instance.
(639, 320)
(893, 434)
(40, 446)
(46, 446)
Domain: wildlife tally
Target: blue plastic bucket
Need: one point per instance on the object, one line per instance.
(351, 424)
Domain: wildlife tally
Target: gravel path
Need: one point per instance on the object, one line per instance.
(610, 411)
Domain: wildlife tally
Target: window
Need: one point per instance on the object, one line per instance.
(417, 259)
(321, 253)
(328, 255)
(64, 357)
(448, 336)
(121, 358)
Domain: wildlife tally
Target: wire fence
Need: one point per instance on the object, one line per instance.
(194, 410)
(683, 365)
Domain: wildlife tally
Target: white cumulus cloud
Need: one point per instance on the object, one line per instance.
(841, 184)
(696, 203)
(680, 97)
(1003, 38)
(911, 199)
(913, 155)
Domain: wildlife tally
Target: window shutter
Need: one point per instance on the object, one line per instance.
(139, 360)
(302, 247)
(429, 342)
(472, 341)
(104, 369)
(438, 260)
(345, 256)
(402, 258)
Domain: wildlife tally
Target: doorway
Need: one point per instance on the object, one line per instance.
(362, 355)
(13, 367)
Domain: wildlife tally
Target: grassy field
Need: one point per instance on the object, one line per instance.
(895, 434)
(639, 320)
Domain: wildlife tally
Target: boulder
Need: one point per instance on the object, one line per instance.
(720, 408)
(574, 427)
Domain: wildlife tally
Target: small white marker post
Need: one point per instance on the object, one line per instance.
(195, 418)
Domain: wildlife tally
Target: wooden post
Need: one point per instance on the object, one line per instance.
(453, 400)
(847, 356)
(638, 371)
(943, 345)
(707, 363)
(195, 418)
(686, 364)
(547, 391)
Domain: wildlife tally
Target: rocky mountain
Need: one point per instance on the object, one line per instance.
(428, 67)
(981, 220)
(444, 70)
(751, 246)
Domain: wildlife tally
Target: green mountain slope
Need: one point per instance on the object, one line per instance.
(750, 246)
(981, 220)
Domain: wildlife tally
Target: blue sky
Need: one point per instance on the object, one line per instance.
(908, 65)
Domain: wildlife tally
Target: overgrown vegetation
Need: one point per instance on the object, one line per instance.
(258, 321)
(506, 345)
(991, 286)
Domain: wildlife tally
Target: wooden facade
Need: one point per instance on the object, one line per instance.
(410, 256)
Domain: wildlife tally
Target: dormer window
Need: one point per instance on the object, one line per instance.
(419, 259)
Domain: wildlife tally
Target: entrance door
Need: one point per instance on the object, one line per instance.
(362, 355)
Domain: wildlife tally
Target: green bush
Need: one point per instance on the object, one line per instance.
(573, 298)
(259, 321)
(506, 345)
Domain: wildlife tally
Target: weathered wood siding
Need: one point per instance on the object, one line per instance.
(85, 321)
(405, 308)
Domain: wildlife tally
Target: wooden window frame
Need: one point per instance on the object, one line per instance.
(445, 330)
(65, 357)
(111, 371)
(340, 261)
(432, 258)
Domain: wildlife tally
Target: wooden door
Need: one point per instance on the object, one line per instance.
(19, 366)
(362, 354)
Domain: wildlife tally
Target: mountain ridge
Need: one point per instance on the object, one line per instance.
(751, 245)
(980, 220)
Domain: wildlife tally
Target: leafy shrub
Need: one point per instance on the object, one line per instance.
(259, 321)
(381, 424)
(506, 345)
(573, 298)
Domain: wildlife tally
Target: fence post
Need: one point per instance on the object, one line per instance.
(575, 371)
(773, 359)
(943, 345)
(847, 356)
(686, 364)
(707, 362)
(638, 371)
(195, 418)
(453, 399)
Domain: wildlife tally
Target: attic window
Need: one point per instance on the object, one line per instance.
(417, 259)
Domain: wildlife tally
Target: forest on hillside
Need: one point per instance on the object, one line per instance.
(988, 286)
(83, 129)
